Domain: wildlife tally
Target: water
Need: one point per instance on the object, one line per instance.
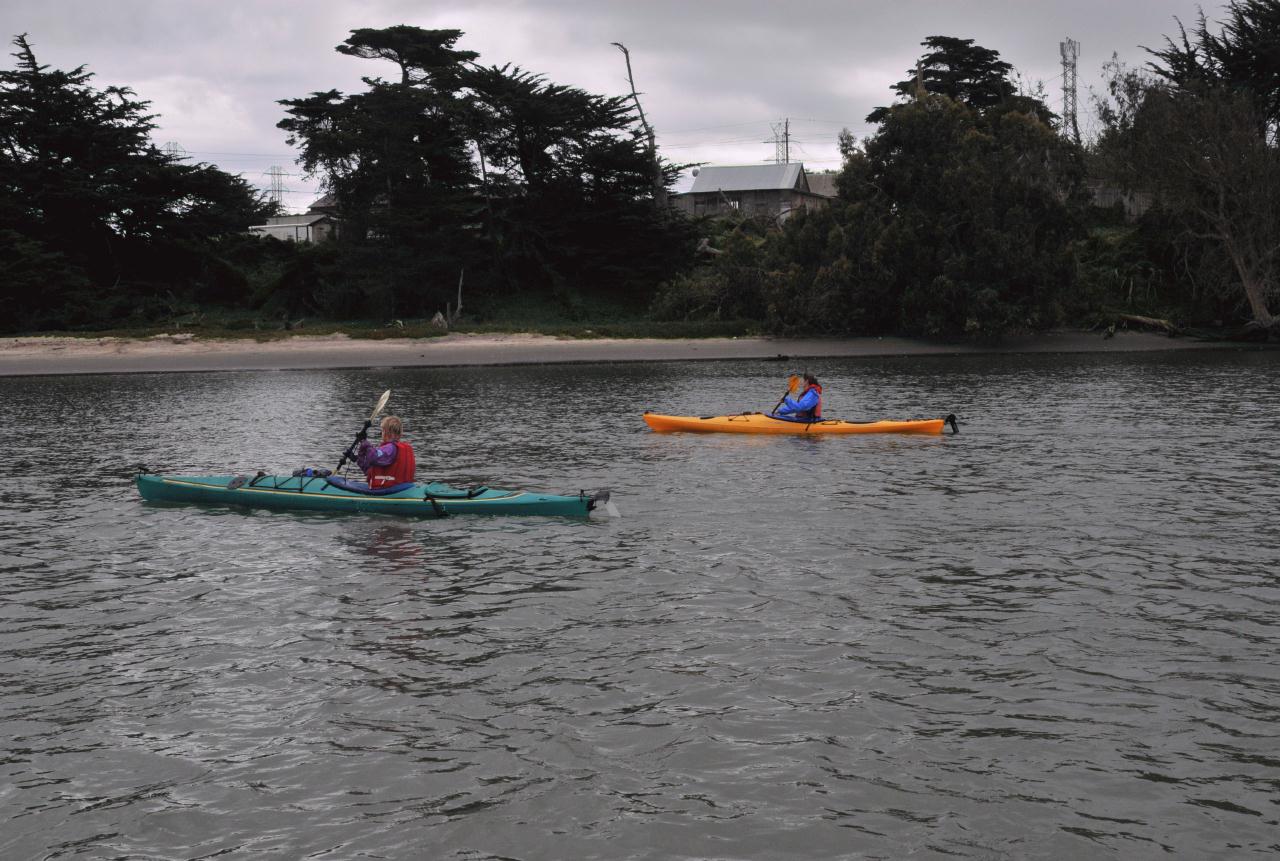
(1054, 635)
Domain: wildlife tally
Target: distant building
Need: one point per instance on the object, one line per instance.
(770, 192)
(325, 204)
(823, 183)
(318, 223)
(1134, 203)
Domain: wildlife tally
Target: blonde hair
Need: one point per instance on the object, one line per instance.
(391, 426)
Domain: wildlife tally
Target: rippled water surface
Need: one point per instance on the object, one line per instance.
(1052, 636)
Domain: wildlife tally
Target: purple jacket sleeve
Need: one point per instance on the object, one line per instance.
(368, 455)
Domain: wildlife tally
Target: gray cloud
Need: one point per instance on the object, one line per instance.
(714, 75)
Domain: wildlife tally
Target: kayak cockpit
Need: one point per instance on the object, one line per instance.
(360, 487)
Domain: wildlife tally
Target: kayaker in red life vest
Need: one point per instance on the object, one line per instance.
(807, 407)
(390, 463)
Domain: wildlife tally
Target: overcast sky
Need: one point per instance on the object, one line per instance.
(715, 75)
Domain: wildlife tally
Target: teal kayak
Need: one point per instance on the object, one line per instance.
(322, 493)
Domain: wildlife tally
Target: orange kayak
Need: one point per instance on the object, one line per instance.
(761, 423)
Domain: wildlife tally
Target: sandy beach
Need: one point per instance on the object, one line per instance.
(181, 352)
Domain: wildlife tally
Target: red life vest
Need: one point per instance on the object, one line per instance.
(816, 413)
(400, 471)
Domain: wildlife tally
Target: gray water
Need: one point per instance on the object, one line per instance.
(1052, 636)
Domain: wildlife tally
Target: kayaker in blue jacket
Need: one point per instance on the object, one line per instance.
(804, 407)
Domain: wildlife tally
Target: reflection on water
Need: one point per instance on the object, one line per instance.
(1050, 636)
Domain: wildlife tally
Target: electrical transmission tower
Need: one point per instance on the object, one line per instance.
(781, 141)
(277, 175)
(174, 150)
(1070, 50)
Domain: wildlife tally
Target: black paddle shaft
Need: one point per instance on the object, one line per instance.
(782, 400)
(350, 453)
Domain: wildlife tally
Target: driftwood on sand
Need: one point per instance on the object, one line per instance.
(1131, 320)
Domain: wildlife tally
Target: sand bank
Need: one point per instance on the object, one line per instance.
(182, 352)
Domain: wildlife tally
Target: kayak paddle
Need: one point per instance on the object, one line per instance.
(350, 453)
(793, 383)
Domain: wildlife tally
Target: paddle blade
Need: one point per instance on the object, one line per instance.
(382, 405)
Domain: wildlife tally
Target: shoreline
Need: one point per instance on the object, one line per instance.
(179, 353)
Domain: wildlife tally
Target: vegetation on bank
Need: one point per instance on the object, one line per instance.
(966, 214)
(529, 315)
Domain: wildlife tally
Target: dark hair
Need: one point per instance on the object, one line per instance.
(811, 380)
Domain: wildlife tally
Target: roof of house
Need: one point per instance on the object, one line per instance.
(295, 220)
(750, 177)
(823, 183)
(323, 202)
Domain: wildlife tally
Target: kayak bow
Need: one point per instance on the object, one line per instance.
(766, 424)
(306, 493)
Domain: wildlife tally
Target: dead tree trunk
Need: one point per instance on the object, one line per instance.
(659, 183)
(1255, 287)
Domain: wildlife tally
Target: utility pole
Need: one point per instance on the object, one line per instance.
(1070, 50)
(659, 184)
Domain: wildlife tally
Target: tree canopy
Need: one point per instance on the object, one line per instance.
(524, 183)
(1199, 134)
(957, 217)
(91, 211)
(1244, 55)
(959, 69)
(420, 54)
(969, 219)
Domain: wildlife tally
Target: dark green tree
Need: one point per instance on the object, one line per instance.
(397, 160)
(519, 181)
(568, 185)
(959, 69)
(394, 153)
(956, 218)
(967, 199)
(974, 216)
(422, 55)
(1243, 55)
(1199, 135)
(87, 200)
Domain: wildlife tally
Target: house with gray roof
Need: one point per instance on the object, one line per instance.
(823, 182)
(769, 192)
(318, 223)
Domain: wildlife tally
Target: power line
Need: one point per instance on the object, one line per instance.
(277, 155)
(712, 143)
(721, 126)
(827, 122)
(793, 120)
